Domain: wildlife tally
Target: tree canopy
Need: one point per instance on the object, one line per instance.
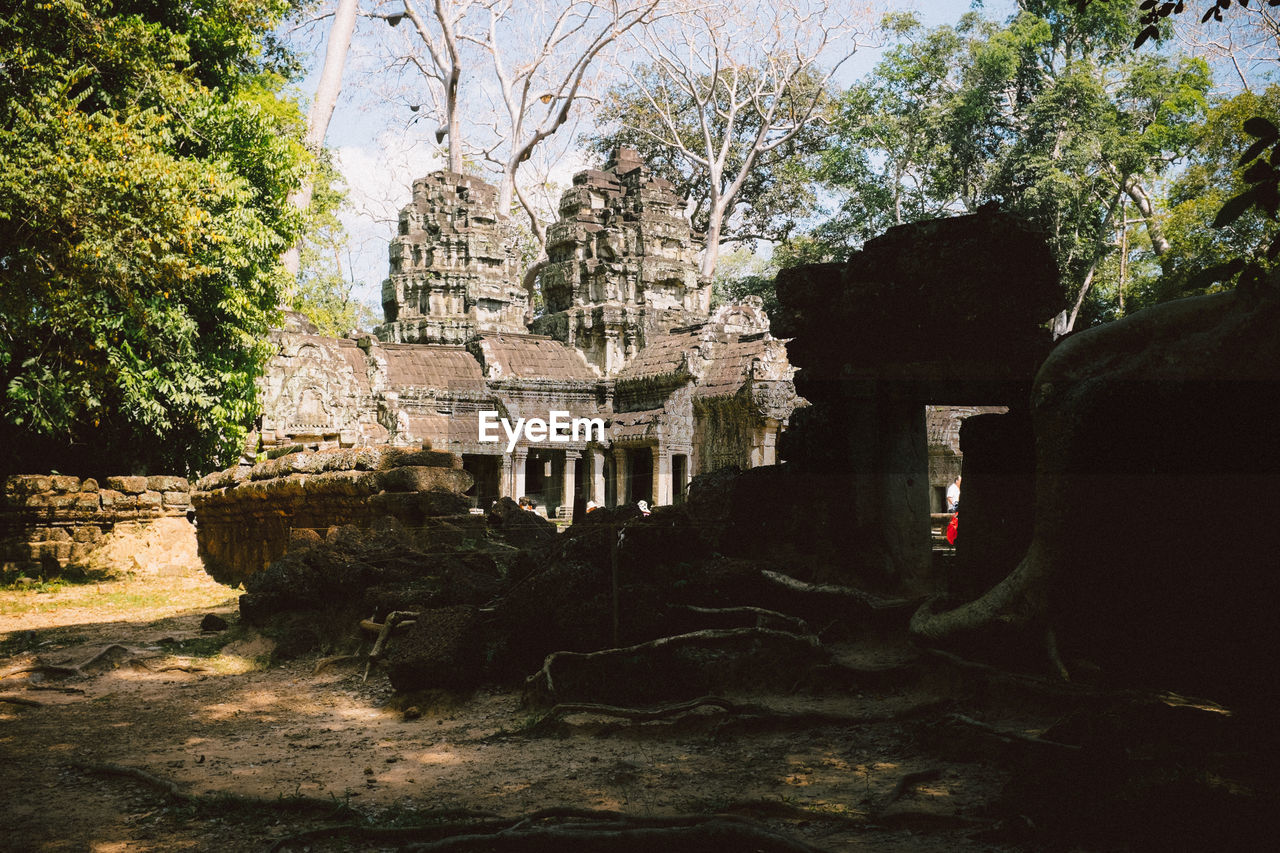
(145, 163)
(1052, 115)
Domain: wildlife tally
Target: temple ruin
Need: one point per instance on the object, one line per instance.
(626, 334)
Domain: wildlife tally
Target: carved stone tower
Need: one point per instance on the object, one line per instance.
(453, 271)
(623, 264)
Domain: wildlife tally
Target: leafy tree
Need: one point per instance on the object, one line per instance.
(740, 273)
(145, 163)
(1203, 257)
(322, 293)
(1050, 115)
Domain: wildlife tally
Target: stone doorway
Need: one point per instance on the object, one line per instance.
(487, 472)
(640, 475)
(679, 478)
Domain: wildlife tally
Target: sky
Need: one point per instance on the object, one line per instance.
(380, 148)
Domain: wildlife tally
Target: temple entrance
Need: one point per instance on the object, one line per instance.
(487, 471)
(679, 478)
(640, 475)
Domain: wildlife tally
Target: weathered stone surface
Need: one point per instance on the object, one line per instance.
(442, 649)
(41, 513)
(176, 498)
(167, 484)
(952, 311)
(65, 483)
(244, 527)
(454, 265)
(623, 264)
(419, 478)
(128, 485)
(520, 526)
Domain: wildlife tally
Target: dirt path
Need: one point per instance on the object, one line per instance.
(234, 724)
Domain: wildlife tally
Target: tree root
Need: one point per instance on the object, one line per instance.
(559, 667)
(866, 600)
(625, 836)
(393, 619)
(573, 829)
(1010, 735)
(325, 663)
(763, 618)
(80, 670)
(175, 794)
(748, 714)
(139, 663)
(907, 782)
(460, 820)
(18, 700)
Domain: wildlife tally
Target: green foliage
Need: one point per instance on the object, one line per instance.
(1051, 115)
(1210, 237)
(741, 273)
(145, 165)
(322, 294)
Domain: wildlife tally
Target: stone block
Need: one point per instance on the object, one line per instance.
(150, 500)
(87, 533)
(177, 499)
(167, 484)
(109, 498)
(420, 478)
(62, 502)
(88, 484)
(87, 502)
(123, 503)
(57, 534)
(24, 485)
(35, 551)
(61, 551)
(64, 483)
(80, 551)
(128, 485)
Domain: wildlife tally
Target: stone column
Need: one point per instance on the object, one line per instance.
(567, 495)
(596, 488)
(890, 455)
(505, 484)
(620, 475)
(518, 459)
(661, 476)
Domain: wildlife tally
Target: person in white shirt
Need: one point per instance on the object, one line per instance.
(953, 495)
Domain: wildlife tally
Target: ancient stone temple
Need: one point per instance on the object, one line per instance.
(623, 264)
(628, 339)
(453, 266)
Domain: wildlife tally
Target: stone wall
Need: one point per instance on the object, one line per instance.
(249, 516)
(49, 523)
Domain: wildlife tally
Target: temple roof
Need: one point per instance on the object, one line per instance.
(531, 357)
(427, 366)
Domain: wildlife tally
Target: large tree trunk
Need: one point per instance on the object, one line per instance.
(327, 91)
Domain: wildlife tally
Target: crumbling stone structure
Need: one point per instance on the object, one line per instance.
(249, 516)
(951, 311)
(628, 337)
(454, 268)
(623, 264)
(49, 523)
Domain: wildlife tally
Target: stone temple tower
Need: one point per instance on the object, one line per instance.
(454, 273)
(623, 264)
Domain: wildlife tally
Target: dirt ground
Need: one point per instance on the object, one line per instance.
(911, 760)
(210, 713)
